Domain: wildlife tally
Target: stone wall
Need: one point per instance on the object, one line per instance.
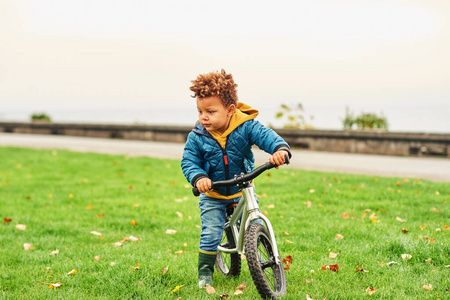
(385, 143)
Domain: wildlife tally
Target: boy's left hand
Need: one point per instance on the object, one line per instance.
(278, 157)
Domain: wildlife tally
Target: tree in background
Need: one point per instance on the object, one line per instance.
(364, 121)
(42, 117)
(293, 117)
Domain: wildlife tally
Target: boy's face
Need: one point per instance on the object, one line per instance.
(213, 115)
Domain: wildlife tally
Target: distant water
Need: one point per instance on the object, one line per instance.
(424, 118)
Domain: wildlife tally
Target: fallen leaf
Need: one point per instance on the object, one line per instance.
(427, 287)
(72, 272)
(333, 255)
(133, 238)
(370, 291)
(288, 259)
(339, 236)
(288, 241)
(210, 289)
(308, 203)
(312, 191)
(287, 267)
(309, 281)
(112, 264)
(54, 285)
(137, 267)
(400, 219)
(54, 252)
(89, 207)
(118, 244)
(177, 288)
(185, 245)
(271, 206)
(100, 215)
(345, 215)
(224, 296)
(171, 231)
(334, 268)
(179, 252)
(285, 233)
(164, 271)
(406, 256)
(404, 230)
(180, 215)
(7, 220)
(27, 246)
(96, 233)
(428, 260)
(264, 212)
(359, 268)
(96, 258)
(134, 223)
(21, 227)
(130, 187)
(391, 263)
(422, 227)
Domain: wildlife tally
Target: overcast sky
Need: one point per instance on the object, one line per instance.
(125, 53)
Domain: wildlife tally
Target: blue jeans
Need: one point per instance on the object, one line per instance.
(212, 213)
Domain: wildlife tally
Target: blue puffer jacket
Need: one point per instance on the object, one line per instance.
(203, 156)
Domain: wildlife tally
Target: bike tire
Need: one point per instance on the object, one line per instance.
(226, 263)
(269, 277)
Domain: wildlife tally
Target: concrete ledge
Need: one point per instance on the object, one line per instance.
(386, 143)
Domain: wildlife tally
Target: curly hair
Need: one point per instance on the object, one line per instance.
(215, 84)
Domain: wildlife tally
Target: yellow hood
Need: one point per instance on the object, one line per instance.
(243, 113)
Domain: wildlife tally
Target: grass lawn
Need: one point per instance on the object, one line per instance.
(61, 197)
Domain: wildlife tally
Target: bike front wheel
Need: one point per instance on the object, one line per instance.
(268, 276)
(226, 263)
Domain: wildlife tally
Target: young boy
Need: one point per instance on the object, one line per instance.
(218, 148)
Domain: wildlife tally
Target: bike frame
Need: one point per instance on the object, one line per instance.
(249, 210)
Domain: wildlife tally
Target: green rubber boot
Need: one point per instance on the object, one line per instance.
(205, 268)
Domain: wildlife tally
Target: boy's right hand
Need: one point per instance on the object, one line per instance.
(204, 185)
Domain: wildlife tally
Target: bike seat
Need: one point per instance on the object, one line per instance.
(232, 205)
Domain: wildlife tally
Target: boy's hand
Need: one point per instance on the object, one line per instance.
(204, 185)
(278, 158)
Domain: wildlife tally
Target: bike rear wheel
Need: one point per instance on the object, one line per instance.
(269, 277)
(226, 263)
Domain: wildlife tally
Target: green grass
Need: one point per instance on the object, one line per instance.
(59, 194)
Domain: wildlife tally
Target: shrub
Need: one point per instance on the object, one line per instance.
(40, 117)
(365, 121)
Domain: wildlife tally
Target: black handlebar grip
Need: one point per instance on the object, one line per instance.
(195, 191)
(286, 159)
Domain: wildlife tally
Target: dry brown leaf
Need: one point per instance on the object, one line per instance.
(96, 258)
(112, 264)
(288, 259)
(21, 227)
(72, 272)
(54, 285)
(370, 291)
(400, 219)
(179, 252)
(288, 241)
(100, 215)
(171, 231)
(427, 287)
(307, 203)
(210, 289)
(285, 233)
(339, 236)
(309, 281)
(118, 244)
(334, 268)
(406, 256)
(345, 215)
(164, 271)
(265, 212)
(333, 255)
(180, 215)
(27, 246)
(287, 267)
(89, 207)
(224, 296)
(133, 238)
(359, 268)
(404, 230)
(7, 220)
(312, 191)
(134, 223)
(54, 252)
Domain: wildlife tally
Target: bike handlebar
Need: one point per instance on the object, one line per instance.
(239, 179)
